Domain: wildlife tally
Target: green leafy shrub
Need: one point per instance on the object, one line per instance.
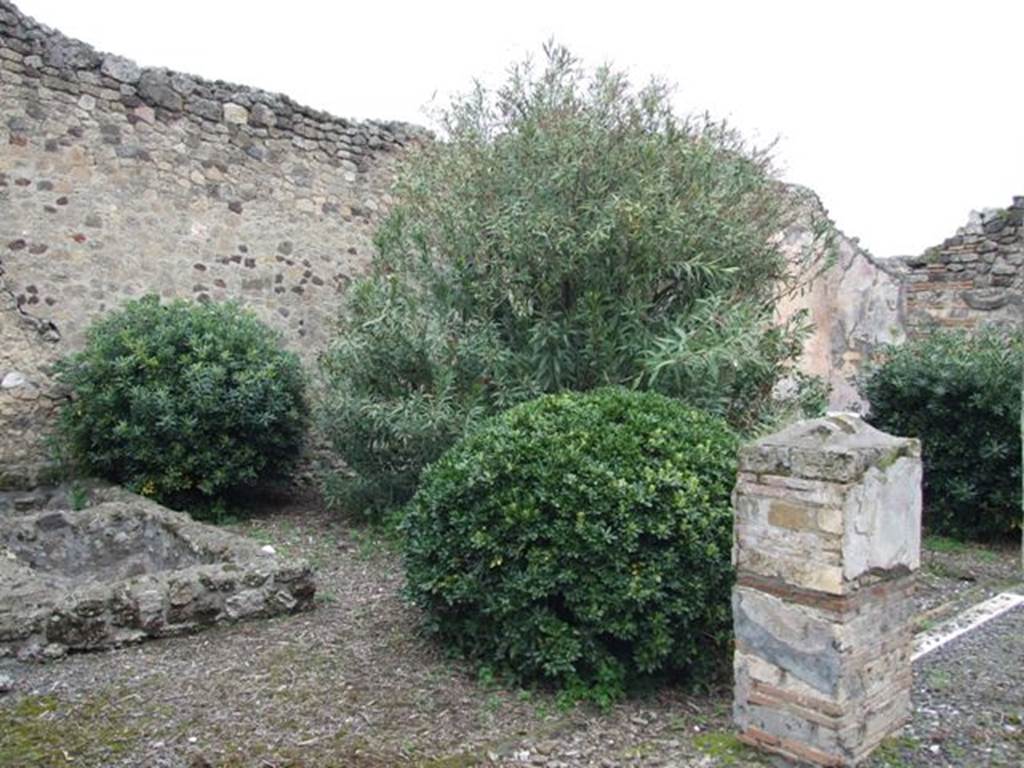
(566, 232)
(729, 359)
(581, 539)
(183, 402)
(961, 395)
(403, 385)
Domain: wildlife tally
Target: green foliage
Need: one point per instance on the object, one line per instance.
(726, 749)
(581, 539)
(729, 359)
(961, 395)
(183, 402)
(944, 544)
(402, 384)
(78, 496)
(569, 232)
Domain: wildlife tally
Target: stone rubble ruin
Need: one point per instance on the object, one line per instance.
(125, 569)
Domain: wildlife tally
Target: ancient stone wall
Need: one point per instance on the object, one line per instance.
(974, 278)
(853, 302)
(117, 180)
(860, 304)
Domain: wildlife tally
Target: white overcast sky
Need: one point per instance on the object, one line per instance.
(902, 115)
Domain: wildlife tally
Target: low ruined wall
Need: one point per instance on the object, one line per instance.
(117, 180)
(973, 279)
(126, 569)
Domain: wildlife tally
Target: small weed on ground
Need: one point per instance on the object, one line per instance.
(42, 731)
(944, 544)
(939, 680)
(726, 748)
(895, 752)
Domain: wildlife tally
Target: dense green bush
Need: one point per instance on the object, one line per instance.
(580, 539)
(402, 388)
(183, 402)
(961, 395)
(565, 232)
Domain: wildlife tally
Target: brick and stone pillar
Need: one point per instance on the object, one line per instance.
(827, 540)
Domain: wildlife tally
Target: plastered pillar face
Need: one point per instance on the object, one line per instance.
(827, 540)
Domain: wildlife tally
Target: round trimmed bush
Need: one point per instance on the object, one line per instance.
(183, 402)
(581, 539)
(961, 395)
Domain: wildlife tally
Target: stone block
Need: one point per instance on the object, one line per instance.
(262, 115)
(236, 114)
(155, 89)
(121, 69)
(826, 503)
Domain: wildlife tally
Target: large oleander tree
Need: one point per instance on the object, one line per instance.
(567, 231)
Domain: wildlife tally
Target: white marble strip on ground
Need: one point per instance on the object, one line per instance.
(975, 616)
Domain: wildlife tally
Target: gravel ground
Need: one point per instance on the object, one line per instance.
(955, 575)
(350, 684)
(354, 684)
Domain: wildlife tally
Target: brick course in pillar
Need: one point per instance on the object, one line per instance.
(827, 540)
